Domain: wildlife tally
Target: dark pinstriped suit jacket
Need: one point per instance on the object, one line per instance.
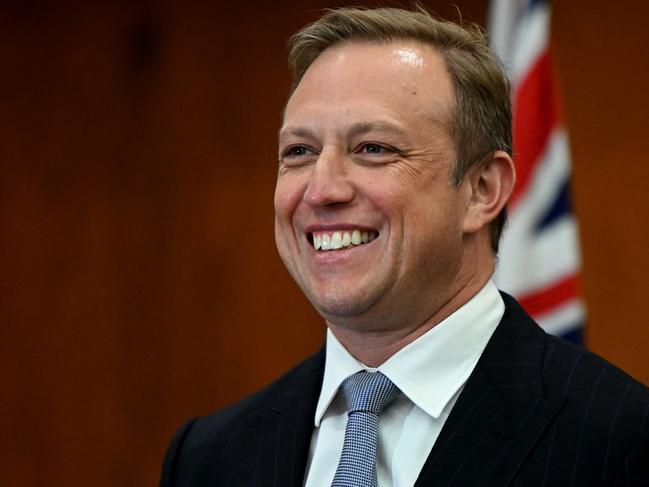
(535, 411)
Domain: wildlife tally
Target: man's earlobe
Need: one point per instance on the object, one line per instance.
(492, 182)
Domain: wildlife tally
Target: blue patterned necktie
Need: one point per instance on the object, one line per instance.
(366, 394)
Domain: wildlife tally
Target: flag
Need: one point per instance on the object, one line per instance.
(539, 258)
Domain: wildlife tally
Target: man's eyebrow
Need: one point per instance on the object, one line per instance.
(295, 132)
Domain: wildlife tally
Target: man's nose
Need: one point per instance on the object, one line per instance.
(329, 182)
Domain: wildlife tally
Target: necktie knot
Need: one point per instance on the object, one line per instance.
(368, 392)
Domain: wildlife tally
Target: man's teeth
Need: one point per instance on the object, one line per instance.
(341, 239)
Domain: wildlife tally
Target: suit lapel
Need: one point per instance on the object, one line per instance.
(501, 412)
(273, 443)
(295, 423)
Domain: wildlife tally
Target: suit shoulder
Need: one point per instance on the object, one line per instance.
(603, 425)
(568, 369)
(578, 370)
(214, 432)
(273, 394)
(599, 395)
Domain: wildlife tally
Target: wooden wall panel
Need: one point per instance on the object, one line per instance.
(605, 73)
(140, 283)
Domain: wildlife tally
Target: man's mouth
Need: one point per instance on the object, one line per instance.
(340, 239)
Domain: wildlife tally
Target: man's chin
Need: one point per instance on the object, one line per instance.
(341, 306)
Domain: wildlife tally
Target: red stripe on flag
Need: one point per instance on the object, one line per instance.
(535, 116)
(543, 300)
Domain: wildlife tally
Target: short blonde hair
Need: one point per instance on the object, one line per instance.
(481, 121)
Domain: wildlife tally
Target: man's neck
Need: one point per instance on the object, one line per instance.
(373, 347)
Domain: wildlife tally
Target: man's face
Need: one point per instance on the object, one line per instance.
(366, 219)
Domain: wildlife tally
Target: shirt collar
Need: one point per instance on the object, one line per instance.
(431, 369)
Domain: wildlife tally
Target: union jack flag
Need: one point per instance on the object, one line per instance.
(539, 256)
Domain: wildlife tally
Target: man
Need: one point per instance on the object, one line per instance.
(394, 171)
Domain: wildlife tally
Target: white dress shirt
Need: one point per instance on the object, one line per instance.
(430, 373)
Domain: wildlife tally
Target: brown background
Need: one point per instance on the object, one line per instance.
(139, 283)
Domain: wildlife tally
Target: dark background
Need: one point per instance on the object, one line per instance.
(139, 282)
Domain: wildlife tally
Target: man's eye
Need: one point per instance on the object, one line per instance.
(297, 151)
(374, 149)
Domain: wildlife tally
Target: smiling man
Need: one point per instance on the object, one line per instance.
(395, 168)
(366, 149)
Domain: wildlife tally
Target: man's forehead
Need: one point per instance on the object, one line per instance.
(407, 53)
(408, 71)
(408, 50)
(410, 55)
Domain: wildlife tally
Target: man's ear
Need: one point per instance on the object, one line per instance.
(491, 183)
